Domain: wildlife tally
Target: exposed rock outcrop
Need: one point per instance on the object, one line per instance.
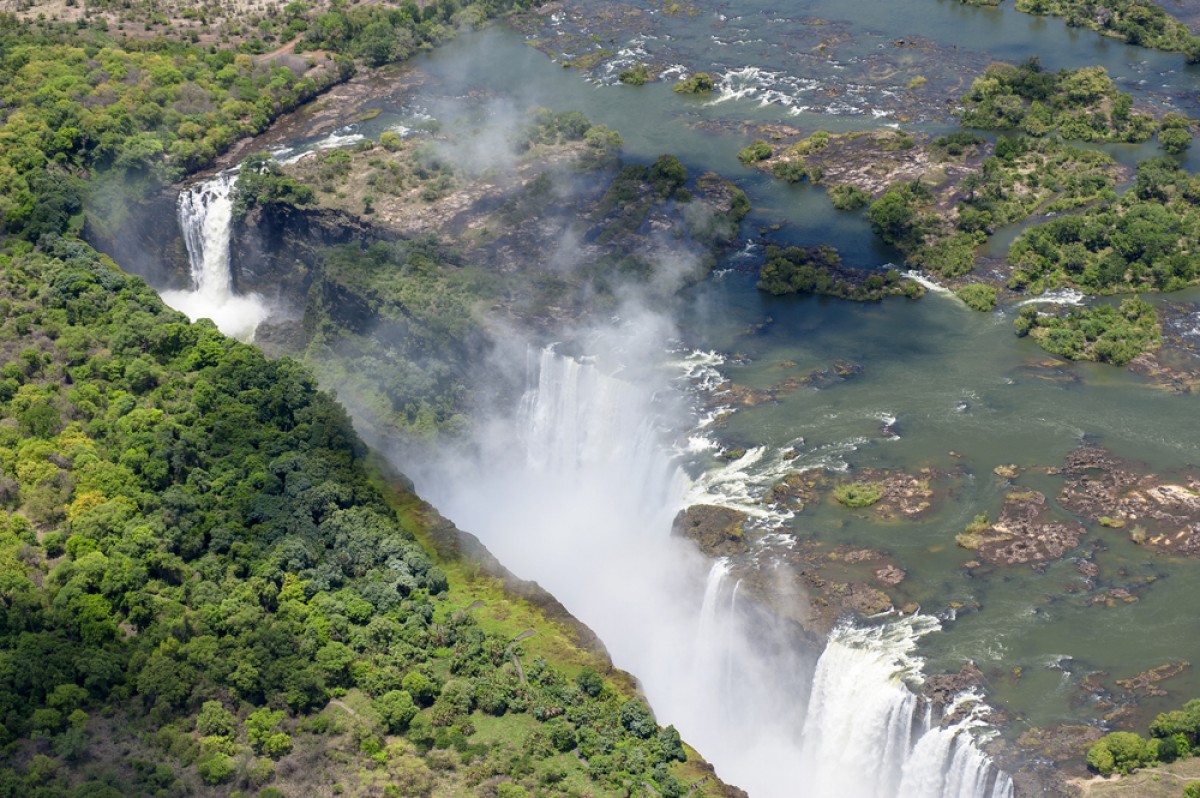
(718, 531)
(1026, 532)
(1158, 511)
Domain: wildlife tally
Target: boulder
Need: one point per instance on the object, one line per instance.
(718, 531)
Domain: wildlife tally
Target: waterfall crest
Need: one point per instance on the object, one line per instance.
(577, 491)
(205, 212)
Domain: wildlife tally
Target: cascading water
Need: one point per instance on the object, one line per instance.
(205, 221)
(578, 492)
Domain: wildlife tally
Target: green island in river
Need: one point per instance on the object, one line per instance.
(837, 398)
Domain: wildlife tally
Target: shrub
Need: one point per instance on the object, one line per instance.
(757, 150)
(1174, 140)
(397, 710)
(791, 171)
(848, 198)
(978, 296)
(215, 720)
(699, 83)
(590, 682)
(216, 769)
(858, 494)
(390, 140)
(636, 75)
(1121, 752)
(636, 718)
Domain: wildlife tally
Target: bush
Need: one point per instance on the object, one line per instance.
(757, 150)
(1174, 140)
(858, 494)
(590, 682)
(216, 769)
(791, 171)
(215, 720)
(978, 296)
(390, 140)
(699, 83)
(397, 710)
(636, 75)
(636, 719)
(1120, 752)
(848, 198)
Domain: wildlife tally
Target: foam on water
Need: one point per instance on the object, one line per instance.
(1059, 296)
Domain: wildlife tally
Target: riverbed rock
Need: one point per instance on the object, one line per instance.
(890, 575)
(718, 531)
(1147, 682)
(866, 600)
(1173, 378)
(795, 491)
(1026, 532)
(941, 689)
(1060, 743)
(1162, 512)
(1007, 471)
(903, 494)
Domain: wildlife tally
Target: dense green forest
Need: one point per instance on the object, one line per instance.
(208, 586)
(196, 563)
(1146, 240)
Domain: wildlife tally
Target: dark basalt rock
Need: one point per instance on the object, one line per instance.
(276, 249)
(718, 531)
(941, 690)
(1024, 533)
(144, 239)
(1158, 511)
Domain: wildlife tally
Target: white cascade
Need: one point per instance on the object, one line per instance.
(205, 221)
(577, 491)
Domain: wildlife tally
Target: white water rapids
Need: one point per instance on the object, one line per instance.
(205, 220)
(577, 491)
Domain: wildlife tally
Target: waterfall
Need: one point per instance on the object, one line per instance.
(577, 491)
(861, 701)
(205, 222)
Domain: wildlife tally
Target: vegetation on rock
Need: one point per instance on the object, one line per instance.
(977, 296)
(1173, 735)
(1146, 240)
(1139, 22)
(858, 494)
(1080, 104)
(636, 75)
(819, 270)
(699, 83)
(1102, 333)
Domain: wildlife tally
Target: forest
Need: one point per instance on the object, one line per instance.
(208, 584)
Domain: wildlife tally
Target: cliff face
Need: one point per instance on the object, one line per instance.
(144, 238)
(276, 250)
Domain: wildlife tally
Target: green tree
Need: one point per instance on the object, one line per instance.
(215, 719)
(636, 718)
(397, 710)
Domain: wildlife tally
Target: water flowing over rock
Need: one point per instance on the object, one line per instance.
(577, 490)
(205, 220)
